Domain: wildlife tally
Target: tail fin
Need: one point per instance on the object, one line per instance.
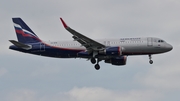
(23, 32)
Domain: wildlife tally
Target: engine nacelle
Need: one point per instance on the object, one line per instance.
(112, 51)
(121, 60)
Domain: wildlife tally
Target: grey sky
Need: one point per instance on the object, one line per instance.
(25, 77)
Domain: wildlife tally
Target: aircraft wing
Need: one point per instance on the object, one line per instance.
(83, 40)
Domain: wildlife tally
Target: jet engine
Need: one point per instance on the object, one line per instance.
(112, 51)
(121, 60)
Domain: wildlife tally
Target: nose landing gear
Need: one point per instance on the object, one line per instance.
(150, 61)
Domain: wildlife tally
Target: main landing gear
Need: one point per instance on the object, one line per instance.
(96, 66)
(150, 61)
(93, 60)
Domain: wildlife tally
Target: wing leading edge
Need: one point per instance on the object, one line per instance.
(83, 40)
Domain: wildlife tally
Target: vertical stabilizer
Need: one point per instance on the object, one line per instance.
(23, 32)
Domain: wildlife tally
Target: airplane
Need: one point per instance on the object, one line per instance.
(111, 51)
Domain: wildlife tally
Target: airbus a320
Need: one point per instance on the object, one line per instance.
(112, 51)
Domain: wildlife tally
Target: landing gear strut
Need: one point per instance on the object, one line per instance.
(97, 66)
(150, 61)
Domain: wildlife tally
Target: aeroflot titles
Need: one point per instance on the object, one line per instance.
(130, 39)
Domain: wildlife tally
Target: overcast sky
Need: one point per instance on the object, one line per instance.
(25, 77)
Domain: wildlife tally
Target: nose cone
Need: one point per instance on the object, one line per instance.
(169, 47)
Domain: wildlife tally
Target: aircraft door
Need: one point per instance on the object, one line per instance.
(149, 41)
(42, 47)
(107, 43)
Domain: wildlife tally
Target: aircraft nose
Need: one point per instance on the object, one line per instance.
(169, 47)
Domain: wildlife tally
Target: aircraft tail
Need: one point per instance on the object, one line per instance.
(23, 32)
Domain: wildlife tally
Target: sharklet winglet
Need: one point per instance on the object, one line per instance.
(64, 24)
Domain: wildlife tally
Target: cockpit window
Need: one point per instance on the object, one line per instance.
(160, 40)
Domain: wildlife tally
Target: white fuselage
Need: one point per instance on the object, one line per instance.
(130, 46)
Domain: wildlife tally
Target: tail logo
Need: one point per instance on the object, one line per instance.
(23, 32)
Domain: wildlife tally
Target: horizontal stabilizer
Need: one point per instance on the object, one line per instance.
(21, 45)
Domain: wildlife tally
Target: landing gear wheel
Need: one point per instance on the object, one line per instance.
(93, 60)
(151, 61)
(97, 67)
